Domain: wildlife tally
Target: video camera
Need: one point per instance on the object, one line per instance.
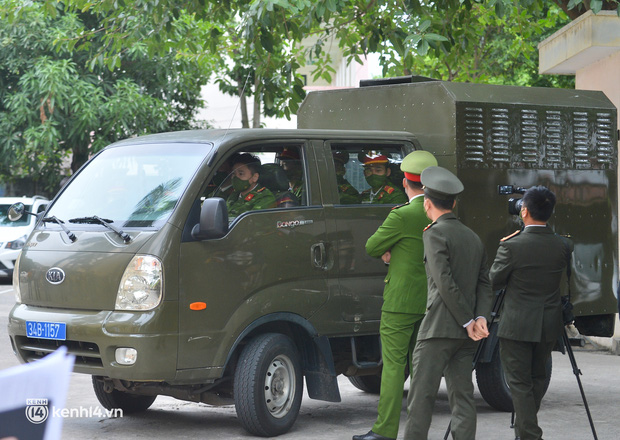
(514, 204)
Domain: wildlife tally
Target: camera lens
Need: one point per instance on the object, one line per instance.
(514, 206)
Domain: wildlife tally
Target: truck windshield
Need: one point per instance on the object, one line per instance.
(134, 186)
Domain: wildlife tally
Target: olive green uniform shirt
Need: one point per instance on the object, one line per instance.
(259, 198)
(347, 192)
(401, 233)
(386, 195)
(530, 265)
(459, 289)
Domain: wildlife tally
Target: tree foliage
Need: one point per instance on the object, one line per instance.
(56, 103)
(99, 70)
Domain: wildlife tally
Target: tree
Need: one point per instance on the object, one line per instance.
(52, 105)
(260, 38)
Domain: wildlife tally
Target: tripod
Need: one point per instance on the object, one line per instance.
(577, 372)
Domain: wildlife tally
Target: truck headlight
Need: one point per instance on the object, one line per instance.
(141, 285)
(18, 295)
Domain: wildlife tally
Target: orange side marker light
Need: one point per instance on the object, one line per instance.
(198, 306)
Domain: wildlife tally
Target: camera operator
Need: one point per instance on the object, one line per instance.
(529, 264)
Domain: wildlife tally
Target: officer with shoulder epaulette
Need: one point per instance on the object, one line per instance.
(530, 264)
(398, 241)
(248, 193)
(346, 192)
(459, 302)
(377, 173)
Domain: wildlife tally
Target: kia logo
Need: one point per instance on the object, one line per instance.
(55, 275)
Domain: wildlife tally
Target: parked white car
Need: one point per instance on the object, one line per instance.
(13, 235)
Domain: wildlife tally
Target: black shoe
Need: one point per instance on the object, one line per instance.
(371, 436)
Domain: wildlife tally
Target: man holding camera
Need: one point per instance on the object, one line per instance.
(530, 264)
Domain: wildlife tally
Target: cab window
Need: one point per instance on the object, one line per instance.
(259, 178)
(368, 174)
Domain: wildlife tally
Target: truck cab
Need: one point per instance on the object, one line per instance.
(141, 269)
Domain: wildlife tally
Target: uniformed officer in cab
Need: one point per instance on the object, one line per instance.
(248, 193)
(347, 193)
(377, 173)
(291, 163)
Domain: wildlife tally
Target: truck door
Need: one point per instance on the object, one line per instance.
(275, 258)
(354, 212)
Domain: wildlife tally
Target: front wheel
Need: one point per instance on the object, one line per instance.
(129, 403)
(268, 385)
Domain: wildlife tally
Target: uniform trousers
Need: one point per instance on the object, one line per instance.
(524, 365)
(453, 359)
(398, 333)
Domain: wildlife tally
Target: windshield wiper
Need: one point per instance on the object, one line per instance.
(59, 222)
(102, 221)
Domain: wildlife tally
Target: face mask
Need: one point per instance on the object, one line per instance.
(240, 185)
(376, 181)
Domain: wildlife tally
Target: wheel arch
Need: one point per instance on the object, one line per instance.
(315, 351)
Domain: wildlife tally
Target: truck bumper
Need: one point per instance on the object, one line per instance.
(94, 336)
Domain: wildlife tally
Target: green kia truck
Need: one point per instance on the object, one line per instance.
(140, 269)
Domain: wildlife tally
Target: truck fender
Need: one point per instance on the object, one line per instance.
(316, 354)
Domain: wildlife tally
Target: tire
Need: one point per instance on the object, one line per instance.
(129, 403)
(268, 385)
(492, 382)
(369, 384)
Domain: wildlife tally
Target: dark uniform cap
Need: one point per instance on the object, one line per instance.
(415, 162)
(440, 183)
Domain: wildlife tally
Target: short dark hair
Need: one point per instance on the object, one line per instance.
(414, 185)
(249, 160)
(443, 204)
(540, 202)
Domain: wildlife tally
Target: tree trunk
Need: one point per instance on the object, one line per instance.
(80, 156)
(243, 104)
(257, 98)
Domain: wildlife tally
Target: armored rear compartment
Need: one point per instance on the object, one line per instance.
(492, 135)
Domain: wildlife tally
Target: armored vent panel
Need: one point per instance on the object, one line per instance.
(515, 136)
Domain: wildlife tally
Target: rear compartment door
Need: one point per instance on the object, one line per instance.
(356, 296)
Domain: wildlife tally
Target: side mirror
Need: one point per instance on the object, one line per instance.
(16, 211)
(213, 220)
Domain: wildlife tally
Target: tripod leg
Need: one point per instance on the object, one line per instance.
(577, 372)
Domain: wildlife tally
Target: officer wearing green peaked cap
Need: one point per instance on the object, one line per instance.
(439, 183)
(416, 162)
(399, 242)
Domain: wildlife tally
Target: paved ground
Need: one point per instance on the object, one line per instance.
(562, 416)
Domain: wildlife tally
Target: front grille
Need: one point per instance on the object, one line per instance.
(86, 353)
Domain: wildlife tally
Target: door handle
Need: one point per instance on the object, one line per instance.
(318, 255)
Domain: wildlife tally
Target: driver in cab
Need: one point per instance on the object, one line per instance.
(248, 194)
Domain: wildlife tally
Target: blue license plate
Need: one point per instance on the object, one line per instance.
(46, 330)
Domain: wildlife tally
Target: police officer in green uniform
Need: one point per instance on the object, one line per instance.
(291, 163)
(530, 265)
(248, 193)
(347, 192)
(398, 241)
(459, 300)
(377, 173)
